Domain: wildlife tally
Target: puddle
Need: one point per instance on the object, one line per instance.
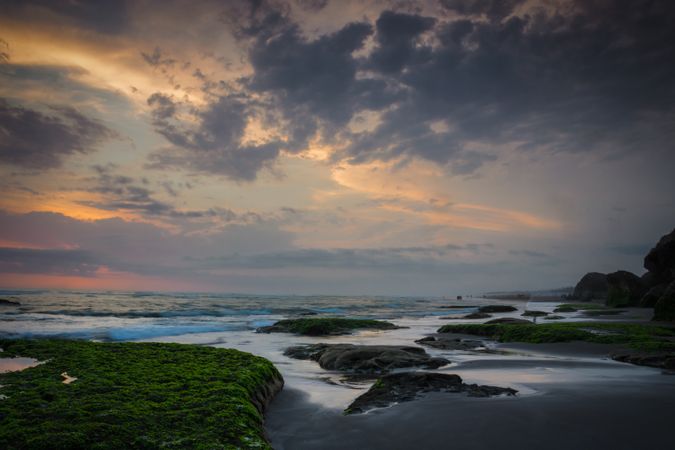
(67, 379)
(17, 364)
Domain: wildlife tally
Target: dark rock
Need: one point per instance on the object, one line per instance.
(534, 314)
(563, 309)
(476, 315)
(5, 302)
(365, 358)
(459, 306)
(553, 317)
(660, 261)
(624, 289)
(664, 309)
(662, 360)
(449, 343)
(603, 312)
(459, 297)
(510, 321)
(649, 280)
(407, 386)
(593, 285)
(653, 295)
(497, 308)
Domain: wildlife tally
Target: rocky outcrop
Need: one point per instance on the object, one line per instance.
(450, 343)
(533, 313)
(592, 286)
(476, 315)
(664, 309)
(497, 308)
(5, 302)
(653, 295)
(373, 359)
(660, 261)
(662, 360)
(404, 387)
(510, 321)
(624, 289)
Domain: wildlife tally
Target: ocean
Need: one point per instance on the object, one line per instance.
(231, 320)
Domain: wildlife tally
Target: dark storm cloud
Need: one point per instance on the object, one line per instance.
(214, 145)
(103, 16)
(396, 38)
(51, 261)
(315, 82)
(37, 140)
(598, 77)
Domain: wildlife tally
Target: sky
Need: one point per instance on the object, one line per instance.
(437, 147)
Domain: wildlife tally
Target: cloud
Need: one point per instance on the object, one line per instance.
(314, 84)
(215, 144)
(121, 192)
(102, 16)
(493, 9)
(592, 77)
(47, 261)
(37, 140)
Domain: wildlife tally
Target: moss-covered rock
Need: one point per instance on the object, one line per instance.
(322, 326)
(134, 395)
(639, 336)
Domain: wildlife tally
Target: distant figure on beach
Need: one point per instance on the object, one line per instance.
(459, 297)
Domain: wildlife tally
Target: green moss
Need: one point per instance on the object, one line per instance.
(132, 395)
(320, 326)
(643, 337)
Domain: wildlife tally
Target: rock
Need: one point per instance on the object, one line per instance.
(649, 279)
(662, 360)
(476, 315)
(5, 302)
(624, 289)
(510, 321)
(534, 314)
(497, 308)
(404, 387)
(593, 285)
(664, 309)
(563, 309)
(603, 312)
(459, 306)
(449, 343)
(459, 297)
(660, 261)
(324, 326)
(653, 295)
(365, 358)
(553, 317)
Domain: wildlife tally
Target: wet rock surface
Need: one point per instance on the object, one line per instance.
(593, 285)
(444, 342)
(407, 386)
(510, 321)
(6, 302)
(365, 359)
(661, 360)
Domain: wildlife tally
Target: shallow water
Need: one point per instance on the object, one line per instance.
(229, 321)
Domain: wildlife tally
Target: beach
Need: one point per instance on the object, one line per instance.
(569, 394)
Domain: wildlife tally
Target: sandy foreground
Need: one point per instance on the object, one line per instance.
(609, 405)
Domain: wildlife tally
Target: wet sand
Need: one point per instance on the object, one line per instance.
(623, 415)
(571, 396)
